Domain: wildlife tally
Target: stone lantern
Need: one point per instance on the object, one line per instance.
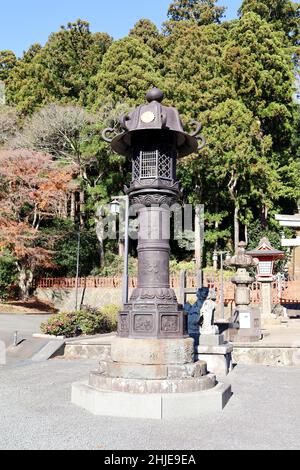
(266, 256)
(152, 372)
(153, 139)
(246, 317)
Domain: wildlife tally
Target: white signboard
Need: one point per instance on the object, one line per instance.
(245, 320)
(293, 242)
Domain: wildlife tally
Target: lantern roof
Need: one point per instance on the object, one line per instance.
(242, 259)
(265, 250)
(153, 116)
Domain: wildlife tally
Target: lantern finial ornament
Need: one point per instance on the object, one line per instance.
(155, 95)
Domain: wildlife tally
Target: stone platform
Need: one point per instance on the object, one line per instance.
(150, 406)
(103, 383)
(153, 372)
(94, 347)
(280, 347)
(151, 378)
(217, 358)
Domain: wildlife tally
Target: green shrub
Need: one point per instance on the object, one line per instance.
(8, 275)
(111, 312)
(114, 266)
(88, 321)
(176, 267)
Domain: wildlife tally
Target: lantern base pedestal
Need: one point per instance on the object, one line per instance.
(150, 406)
(216, 353)
(151, 378)
(249, 321)
(152, 351)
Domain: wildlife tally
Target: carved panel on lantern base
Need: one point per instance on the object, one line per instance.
(153, 321)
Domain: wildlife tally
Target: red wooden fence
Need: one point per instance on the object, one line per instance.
(286, 292)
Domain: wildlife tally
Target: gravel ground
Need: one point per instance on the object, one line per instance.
(26, 325)
(36, 413)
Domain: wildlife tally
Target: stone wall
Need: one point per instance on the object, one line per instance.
(267, 356)
(99, 349)
(65, 299)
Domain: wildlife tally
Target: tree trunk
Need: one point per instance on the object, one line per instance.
(232, 186)
(236, 227)
(101, 253)
(25, 282)
(66, 206)
(73, 206)
(215, 264)
(246, 235)
(100, 236)
(121, 248)
(82, 208)
(264, 217)
(198, 238)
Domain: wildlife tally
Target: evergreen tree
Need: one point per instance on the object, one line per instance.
(195, 79)
(8, 61)
(283, 14)
(146, 31)
(202, 12)
(261, 70)
(128, 70)
(60, 71)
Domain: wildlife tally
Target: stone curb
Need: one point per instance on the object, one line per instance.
(151, 406)
(48, 351)
(44, 336)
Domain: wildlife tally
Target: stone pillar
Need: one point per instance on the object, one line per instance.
(268, 318)
(246, 320)
(297, 262)
(153, 310)
(266, 298)
(154, 248)
(246, 316)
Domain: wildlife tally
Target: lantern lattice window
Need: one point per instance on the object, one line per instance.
(149, 164)
(265, 267)
(165, 167)
(136, 169)
(152, 165)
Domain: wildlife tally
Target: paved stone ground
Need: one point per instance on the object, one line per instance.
(36, 413)
(26, 325)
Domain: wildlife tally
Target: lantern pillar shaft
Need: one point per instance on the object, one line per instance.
(266, 298)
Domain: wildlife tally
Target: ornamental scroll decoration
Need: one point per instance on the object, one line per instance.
(200, 138)
(163, 295)
(149, 200)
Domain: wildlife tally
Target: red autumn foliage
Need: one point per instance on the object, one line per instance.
(33, 188)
